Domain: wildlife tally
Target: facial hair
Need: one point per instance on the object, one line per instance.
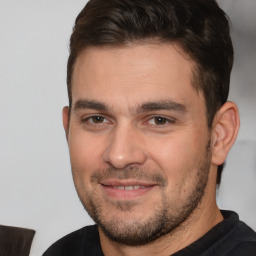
(168, 214)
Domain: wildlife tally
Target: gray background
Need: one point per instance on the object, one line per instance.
(36, 189)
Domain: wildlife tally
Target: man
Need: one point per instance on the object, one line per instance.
(149, 127)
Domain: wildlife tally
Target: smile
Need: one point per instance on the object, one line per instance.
(129, 190)
(128, 187)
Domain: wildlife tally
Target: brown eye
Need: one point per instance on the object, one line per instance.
(158, 120)
(94, 120)
(97, 119)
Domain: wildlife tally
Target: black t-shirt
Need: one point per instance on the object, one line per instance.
(231, 237)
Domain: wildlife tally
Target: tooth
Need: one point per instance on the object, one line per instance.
(120, 187)
(129, 187)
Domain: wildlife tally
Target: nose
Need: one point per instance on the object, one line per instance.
(124, 148)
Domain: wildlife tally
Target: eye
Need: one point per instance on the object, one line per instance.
(95, 120)
(159, 121)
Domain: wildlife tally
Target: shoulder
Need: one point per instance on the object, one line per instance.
(84, 241)
(244, 240)
(240, 231)
(239, 240)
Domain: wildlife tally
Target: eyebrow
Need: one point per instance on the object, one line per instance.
(162, 105)
(145, 107)
(91, 104)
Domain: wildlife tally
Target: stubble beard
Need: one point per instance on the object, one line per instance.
(168, 214)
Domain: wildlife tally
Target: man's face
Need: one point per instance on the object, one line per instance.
(138, 140)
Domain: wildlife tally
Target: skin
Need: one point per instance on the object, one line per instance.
(136, 120)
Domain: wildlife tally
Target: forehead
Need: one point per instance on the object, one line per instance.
(134, 73)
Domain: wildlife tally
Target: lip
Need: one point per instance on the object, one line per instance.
(126, 189)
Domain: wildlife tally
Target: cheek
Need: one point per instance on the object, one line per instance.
(85, 153)
(177, 156)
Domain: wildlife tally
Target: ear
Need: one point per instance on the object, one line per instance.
(65, 120)
(224, 132)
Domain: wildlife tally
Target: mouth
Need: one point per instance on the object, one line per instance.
(126, 190)
(132, 187)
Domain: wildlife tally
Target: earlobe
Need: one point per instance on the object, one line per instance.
(224, 132)
(65, 120)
